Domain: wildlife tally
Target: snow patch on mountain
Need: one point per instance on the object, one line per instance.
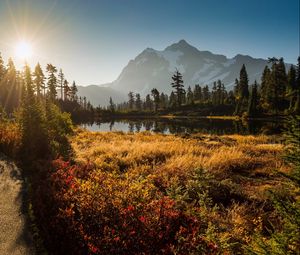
(173, 58)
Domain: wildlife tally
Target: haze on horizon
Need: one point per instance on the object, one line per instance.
(92, 41)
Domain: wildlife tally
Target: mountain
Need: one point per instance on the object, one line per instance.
(153, 69)
(99, 95)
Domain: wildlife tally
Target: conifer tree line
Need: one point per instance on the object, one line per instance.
(38, 101)
(45, 84)
(278, 92)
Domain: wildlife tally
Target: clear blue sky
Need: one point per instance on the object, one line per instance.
(92, 40)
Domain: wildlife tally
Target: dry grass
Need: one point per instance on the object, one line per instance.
(249, 161)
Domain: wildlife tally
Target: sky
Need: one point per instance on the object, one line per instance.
(93, 40)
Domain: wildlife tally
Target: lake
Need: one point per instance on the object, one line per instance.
(177, 126)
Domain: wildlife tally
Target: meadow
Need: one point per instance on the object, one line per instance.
(145, 193)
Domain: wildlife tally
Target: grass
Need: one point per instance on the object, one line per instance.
(238, 172)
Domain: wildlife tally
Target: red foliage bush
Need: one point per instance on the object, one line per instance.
(74, 218)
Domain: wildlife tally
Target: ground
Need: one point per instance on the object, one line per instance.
(14, 231)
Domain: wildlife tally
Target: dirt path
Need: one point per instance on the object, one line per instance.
(14, 234)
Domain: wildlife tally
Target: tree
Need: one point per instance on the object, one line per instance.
(265, 87)
(205, 93)
(61, 79)
(112, 106)
(39, 80)
(67, 90)
(177, 84)
(155, 95)
(172, 100)
(197, 93)
(52, 81)
(130, 100)
(297, 103)
(190, 96)
(148, 103)
(292, 87)
(138, 102)
(253, 102)
(163, 99)
(32, 122)
(214, 96)
(73, 92)
(243, 92)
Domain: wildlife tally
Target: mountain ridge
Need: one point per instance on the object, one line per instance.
(154, 68)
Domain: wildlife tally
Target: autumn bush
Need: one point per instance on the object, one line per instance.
(10, 137)
(156, 194)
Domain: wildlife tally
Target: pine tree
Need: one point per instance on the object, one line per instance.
(138, 102)
(73, 92)
(61, 79)
(32, 121)
(177, 84)
(205, 94)
(130, 100)
(253, 102)
(67, 90)
(297, 103)
(172, 100)
(52, 81)
(243, 93)
(214, 94)
(265, 88)
(190, 96)
(10, 88)
(148, 103)
(292, 87)
(197, 93)
(155, 95)
(39, 80)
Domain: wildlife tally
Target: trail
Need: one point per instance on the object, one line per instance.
(15, 237)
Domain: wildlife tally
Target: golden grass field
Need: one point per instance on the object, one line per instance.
(239, 170)
(249, 161)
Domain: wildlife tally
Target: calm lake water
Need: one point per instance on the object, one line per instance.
(176, 126)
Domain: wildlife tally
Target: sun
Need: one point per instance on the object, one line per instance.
(23, 50)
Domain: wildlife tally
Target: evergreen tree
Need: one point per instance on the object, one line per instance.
(11, 99)
(138, 102)
(32, 122)
(297, 103)
(67, 90)
(190, 96)
(292, 87)
(205, 94)
(73, 92)
(130, 100)
(163, 99)
(148, 103)
(253, 102)
(197, 93)
(39, 80)
(277, 86)
(214, 94)
(61, 79)
(155, 95)
(264, 89)
(52, 81)
(177, 84)
(172, 100)
(243, 93)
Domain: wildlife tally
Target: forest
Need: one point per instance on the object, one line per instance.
(147, 193)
